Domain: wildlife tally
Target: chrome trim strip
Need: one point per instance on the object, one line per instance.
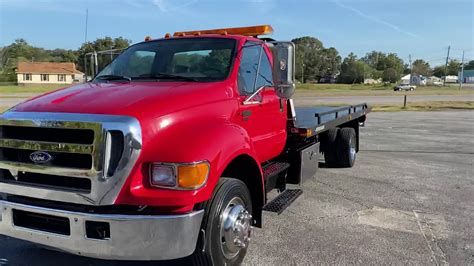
(132, 237)
(46, 146)
(104, 189)
(44, 169)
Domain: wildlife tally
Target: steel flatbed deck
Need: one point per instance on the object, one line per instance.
(320, 119)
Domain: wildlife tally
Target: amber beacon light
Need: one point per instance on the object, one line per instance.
(246, 31)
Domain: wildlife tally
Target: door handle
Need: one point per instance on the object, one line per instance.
(246, 114)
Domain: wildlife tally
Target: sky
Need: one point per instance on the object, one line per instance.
(420, 28)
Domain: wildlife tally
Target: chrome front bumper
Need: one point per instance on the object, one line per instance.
(132, 237)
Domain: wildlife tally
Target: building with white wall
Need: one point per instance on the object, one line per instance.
(47, 73)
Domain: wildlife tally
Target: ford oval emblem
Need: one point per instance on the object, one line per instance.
(40, 157)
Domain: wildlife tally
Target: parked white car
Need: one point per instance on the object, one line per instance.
(405, 87)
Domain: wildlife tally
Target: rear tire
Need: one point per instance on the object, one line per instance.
(346, 147)
(227, 225)
(330, 147)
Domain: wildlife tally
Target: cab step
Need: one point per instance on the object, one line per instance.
(282, 201)
(274, 169)
(272, 175)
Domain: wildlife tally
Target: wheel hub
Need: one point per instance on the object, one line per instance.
(352, 150)
(236, 228)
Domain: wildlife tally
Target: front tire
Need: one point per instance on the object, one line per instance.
(227, 225)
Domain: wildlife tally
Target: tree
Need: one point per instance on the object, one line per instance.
(438, 71)
(315, 60)
(390, 75)
(406, 69)
(353, 70)
(421, 67)
(395, 62)
(453, 67)
(20, 50)
(101, 44)
(375, 60)
(330, 62)
(63, 55)
(381, 61)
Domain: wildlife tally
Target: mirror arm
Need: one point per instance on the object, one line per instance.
(248, 100)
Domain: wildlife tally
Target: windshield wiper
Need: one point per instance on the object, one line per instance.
(166, 76)
(114, 77)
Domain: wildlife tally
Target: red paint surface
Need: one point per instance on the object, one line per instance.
(180, 122)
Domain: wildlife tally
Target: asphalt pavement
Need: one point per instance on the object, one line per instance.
(408, 200)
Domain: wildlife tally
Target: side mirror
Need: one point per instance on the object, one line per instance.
(284, 68)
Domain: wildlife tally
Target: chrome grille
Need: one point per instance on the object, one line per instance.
(76, 145)
(65, 135)
(60, 159)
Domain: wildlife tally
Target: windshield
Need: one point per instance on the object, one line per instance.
(193, 59)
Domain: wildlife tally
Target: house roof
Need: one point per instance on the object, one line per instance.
(47, 68)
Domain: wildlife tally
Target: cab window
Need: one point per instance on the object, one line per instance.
(248, 79)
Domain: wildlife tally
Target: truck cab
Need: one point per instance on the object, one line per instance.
(168, 152)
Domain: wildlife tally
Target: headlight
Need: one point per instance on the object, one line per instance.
(162, 175)
(179, 176)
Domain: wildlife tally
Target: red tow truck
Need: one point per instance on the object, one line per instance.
(169, 151)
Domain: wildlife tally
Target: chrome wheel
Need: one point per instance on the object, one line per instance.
(352, 151)
(235, 228)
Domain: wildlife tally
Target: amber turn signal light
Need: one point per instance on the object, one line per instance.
(192, 176)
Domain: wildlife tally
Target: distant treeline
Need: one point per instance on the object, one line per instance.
(21, 51)
(314, 62)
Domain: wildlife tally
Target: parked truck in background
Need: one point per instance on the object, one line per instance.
(170, 151)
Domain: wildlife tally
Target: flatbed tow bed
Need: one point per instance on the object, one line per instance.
(320, 119)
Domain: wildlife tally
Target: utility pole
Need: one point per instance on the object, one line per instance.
(461, 76)
(446, 66)
(411, 69)
(85, 41)
(87, 20)
(302, 74)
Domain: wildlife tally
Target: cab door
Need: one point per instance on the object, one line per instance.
(261, 111)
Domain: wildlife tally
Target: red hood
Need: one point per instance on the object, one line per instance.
(126, 98)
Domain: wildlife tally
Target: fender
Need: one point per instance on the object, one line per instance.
(218, 142)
